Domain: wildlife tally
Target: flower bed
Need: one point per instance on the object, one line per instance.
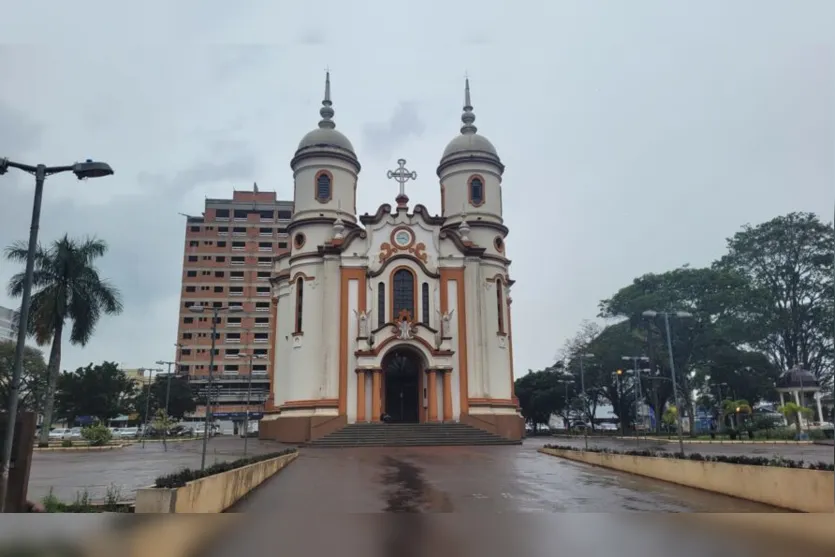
(745, 460)
(181, 478)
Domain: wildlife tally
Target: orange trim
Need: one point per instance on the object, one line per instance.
(457, 275)
(510, 350)
(360, 396)
(375, 394)
(348, 274)
(447, 396)
(316, 186)
(320, 403)
(495, 402)
(470, 190)
(414, 290)
(432, 393)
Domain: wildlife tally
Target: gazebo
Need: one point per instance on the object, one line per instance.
(798, 382)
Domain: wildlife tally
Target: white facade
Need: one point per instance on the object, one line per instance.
(357, 293)
(8, 331)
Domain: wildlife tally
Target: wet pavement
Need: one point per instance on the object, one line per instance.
(330, 487)
(806, 452)
(69, 473)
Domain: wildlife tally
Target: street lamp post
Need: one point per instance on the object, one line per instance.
(248, 396)
(147, 400)
(82, 170)
(215, 311)
(583, 357)
(640, 401)
(666, 314)
(619, 386)
(167, 398)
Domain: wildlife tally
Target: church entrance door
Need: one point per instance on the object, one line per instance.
(401, 386)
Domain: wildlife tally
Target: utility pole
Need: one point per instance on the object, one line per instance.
(147, 400)
(585, 402)
(167, 398)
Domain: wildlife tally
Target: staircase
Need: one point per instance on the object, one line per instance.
(408, 435)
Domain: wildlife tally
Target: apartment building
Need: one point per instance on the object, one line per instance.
(227, 262)
(8, 330)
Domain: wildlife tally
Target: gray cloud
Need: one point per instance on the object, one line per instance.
(381, 139)
(637, 136)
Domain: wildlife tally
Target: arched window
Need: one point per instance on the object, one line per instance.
(500, 304)
(476, 191)
(403, 293)
(381, 304)
(323, 187)
(299, 304)
(424, 294)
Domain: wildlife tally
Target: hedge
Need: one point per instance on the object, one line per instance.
(181, 478)
(748, 460)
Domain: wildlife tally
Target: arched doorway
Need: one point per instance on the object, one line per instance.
(402, 385)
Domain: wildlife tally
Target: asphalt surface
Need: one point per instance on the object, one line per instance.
(806, 452)
(69, 473)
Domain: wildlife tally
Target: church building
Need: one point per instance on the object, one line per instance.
(396, 316)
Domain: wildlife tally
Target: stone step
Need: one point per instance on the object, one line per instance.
(403, 435)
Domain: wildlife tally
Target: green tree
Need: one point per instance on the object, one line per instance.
(541, 395)
(102, 391)
(787, 262)
(33, 380)
(66, 286)
(181, 398)
(587, 373)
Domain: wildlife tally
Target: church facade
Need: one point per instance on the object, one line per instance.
(396, 316)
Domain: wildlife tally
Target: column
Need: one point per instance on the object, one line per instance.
(783, 403)
(447, 394)
(376, 410)
(432, 394)
(360, 395)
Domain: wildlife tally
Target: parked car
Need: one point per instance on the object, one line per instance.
(60, 434)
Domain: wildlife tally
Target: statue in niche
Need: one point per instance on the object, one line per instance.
(362, 323)
(446, 324)
(405, 330)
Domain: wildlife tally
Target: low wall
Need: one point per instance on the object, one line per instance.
(788, 488)
(213, 494)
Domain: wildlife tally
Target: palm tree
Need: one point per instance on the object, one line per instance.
(66, 285)
(792, 412)
(735, 408)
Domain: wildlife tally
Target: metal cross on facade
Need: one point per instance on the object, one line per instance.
(402, 175)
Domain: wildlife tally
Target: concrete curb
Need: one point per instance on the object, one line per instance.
(183, 536)
(798, 530)
(720, 442)
(83, 448)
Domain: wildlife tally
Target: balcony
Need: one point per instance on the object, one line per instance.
(238, 262)
(262, 309)
(236, 293)
(264, 248)
(229, 356)
(262, 325)
(262, 293)
(231, 324)
(236, 278)
(261, 340)
(265, 263)
(233, 340)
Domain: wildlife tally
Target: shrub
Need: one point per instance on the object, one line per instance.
(745, 460)
(181, 478)
(97, 435)
(66, 443)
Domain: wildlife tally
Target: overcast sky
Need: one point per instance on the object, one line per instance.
(637, 135)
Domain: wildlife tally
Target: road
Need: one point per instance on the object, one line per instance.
(806, 452)
(69, 473)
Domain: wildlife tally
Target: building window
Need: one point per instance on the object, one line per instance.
(381, 304)
(500, 304)
(424, 294)
(191, 273)
(498, 243)
(218, 289)
(403, 293)
(299, 304)
(298, 240)
(283, 215)
(324, 183)
(189, 289)
(195, 229)
(192, 258)
(476, 187)
(219, 274)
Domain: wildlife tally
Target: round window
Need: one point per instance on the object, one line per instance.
(298, 240)
(499, 243)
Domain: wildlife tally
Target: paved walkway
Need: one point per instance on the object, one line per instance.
(467, 481)
(69, 473)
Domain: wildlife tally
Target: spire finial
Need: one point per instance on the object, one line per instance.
(468, 117)
(326, 112)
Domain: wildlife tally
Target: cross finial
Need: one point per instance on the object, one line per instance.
(402, 175)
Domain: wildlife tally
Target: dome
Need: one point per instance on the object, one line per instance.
(797, 378)
(469, 143)
(326, 137)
